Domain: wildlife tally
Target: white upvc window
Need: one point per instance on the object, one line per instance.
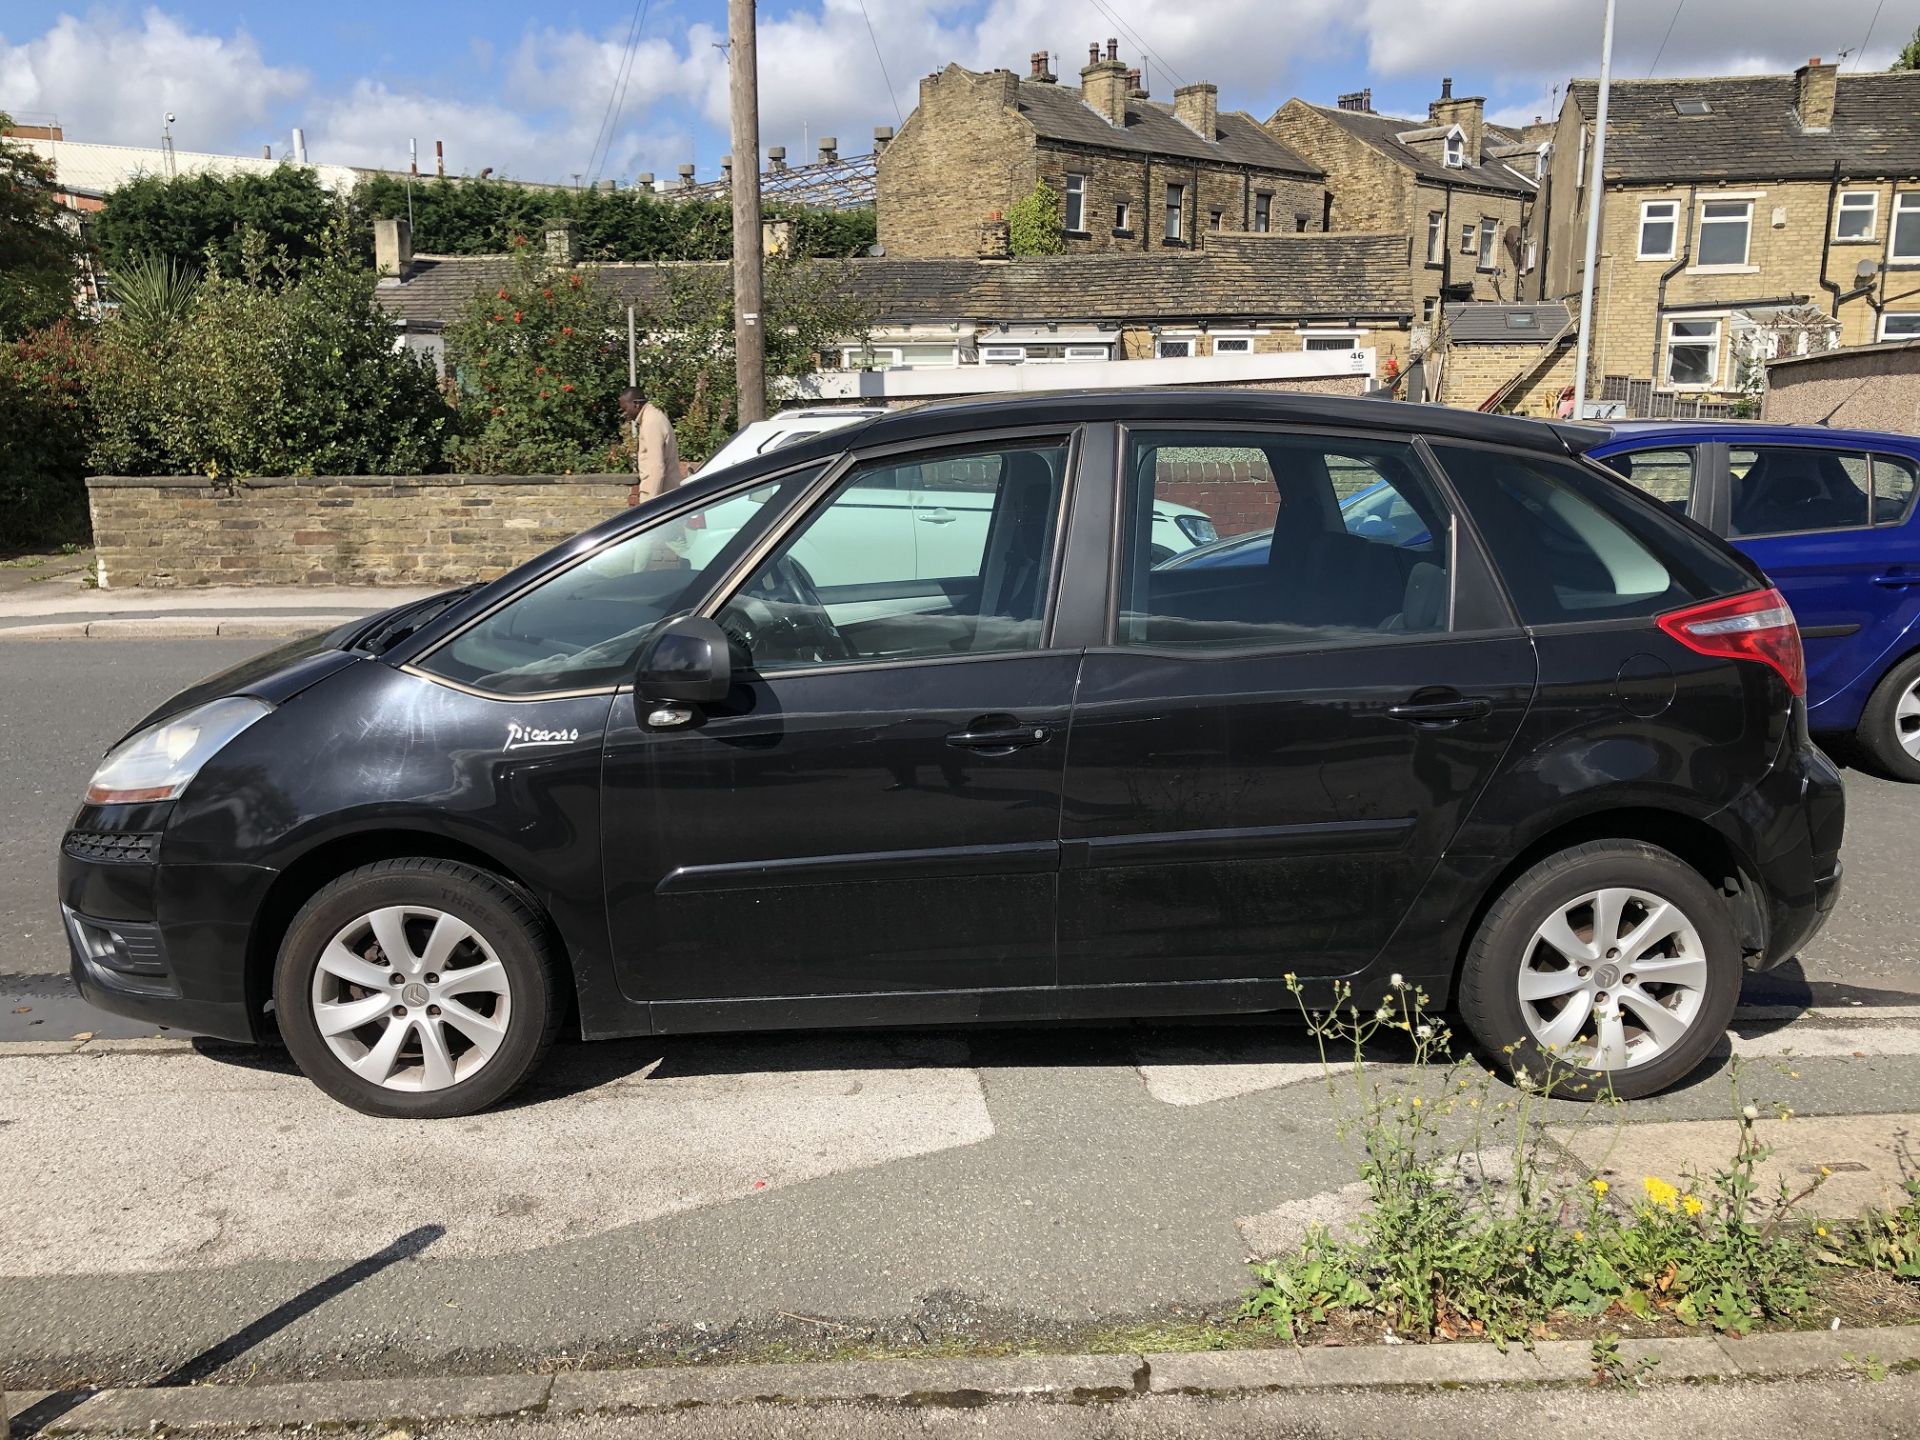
(1436, 238)
(1429, 309)
(1693, 354)
(1003, 354)
(1904, 232)
(1533, 255)
(1176, 212)
(1174, 347)
(1659, 225)
(1900, 327)
(1232, 343)
(870, 357)
(1726, 227)
(1330, 339)
(1456, 150)
(1077, 203)
(1122, 216)
(1489, 251)
(1540, 158)
(1088, 352)
(1580, 161)
(1469, 238)
(1857, 216)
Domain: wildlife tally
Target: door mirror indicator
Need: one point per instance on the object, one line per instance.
(688, 661)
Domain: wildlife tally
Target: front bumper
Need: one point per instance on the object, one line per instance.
(165, 943)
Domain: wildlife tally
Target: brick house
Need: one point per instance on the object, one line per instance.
(1516, 358)
(1460, 189)
(1744, 217)
(1133, 174)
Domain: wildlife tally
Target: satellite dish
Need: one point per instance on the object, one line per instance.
(1511, 239)
(876, 250)
(1865, 271)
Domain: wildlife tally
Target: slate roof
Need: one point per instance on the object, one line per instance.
(1491, 323)
(1383, 133)
(825, 185)
(1058, 113)
(1752, 130)
(1241, 277)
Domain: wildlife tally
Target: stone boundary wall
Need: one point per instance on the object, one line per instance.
(182, 530)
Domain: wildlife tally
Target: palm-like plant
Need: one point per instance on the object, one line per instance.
(155, 297)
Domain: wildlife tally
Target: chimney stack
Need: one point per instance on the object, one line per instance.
(777, 159)
(440, 158)
(829, 150)
(563, 246)
(299, 146)
(1198, 108)
(1814, 85)
(882, 137)
(392, 250)
(1358, 100)
(996, 238)
(1469, 112)
(266, 152)
(686, 177)
(1103, 84)
(644, 180)
(1136, 86)
(726, 169)
(1042, 70)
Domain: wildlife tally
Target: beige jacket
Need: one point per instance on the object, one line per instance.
(656, 458)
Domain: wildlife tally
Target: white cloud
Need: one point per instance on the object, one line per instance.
(110, 80)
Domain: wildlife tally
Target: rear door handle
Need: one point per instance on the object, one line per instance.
(1441, 712)
(1897, 579)
(999, 737)
(935, 517)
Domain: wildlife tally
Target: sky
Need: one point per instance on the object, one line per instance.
(538, 93)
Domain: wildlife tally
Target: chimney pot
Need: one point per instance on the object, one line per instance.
(644, 180)
(266, 152)
(1113, 48)
(777, 159)
(686, 177)
(1446, 87)
(1093, 53)
(829, 149)
(440, 157)
(1135, 87)
(882, 137)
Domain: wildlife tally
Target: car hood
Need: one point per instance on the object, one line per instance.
(276, 677)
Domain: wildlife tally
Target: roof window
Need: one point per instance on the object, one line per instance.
(1691, 105)
(1522, 320)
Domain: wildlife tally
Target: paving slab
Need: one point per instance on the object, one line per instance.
(1813, 1352)
(1463, 1364)
(1225, 1371)
(1063, 1377)
(317, 1403)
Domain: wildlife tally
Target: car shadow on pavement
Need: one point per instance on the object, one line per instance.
(214, 1358)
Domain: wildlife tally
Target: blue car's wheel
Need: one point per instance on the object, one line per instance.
(1889, 733)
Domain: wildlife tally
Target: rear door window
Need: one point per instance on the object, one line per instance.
(1572, 547)
(1666, 475)
(1795, 489)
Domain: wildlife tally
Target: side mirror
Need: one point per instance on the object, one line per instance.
(688, 660)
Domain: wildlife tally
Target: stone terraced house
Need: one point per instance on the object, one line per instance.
(1744, 218)
(1132, 174)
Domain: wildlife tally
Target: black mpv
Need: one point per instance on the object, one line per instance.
(966, 714)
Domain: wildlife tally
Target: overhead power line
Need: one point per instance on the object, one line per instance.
(1869, 40)
(1135, 37)
(617, 97)
(1679, 5)
(898, 118)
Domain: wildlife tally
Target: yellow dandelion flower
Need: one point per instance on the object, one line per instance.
(1825, 1170)
(1693, 1205)
(1418, 1102)
(1660, 1192)
(1821, 1231)
(1580, 1236)
(1600, 1187)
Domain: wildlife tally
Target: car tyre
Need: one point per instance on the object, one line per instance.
(474, 1003)
(1541, 953)
(1890, 723)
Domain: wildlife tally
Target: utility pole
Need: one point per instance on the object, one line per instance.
(749, 338)
(1596, 196)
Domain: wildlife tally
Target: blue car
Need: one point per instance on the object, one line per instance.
(1829, 515)
(1379, 512)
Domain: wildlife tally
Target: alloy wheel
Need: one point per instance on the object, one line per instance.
(411, 998)
(1906, 720)
(1612, 979)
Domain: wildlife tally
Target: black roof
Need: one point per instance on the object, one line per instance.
(1058, 112)
(1383, 133)
(1174, 407)
(1492, 322)
(1751, 129)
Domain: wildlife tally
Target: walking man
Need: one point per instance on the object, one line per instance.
(656, 458)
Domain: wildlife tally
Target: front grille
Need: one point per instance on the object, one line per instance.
(133, 849)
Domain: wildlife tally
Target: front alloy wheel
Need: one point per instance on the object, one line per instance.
(419, 988)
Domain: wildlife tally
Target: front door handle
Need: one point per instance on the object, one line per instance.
(1001, 733)
(1439, 711)
(1897, 579)
(935, 517)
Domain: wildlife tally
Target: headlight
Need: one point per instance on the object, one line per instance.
(157, 763)
(1197, 528)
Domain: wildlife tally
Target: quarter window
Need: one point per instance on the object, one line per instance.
(582, 629)
(965, 571)
(1666, 475)
(1859, 209)
(1659, 219)
(1571, 546)
(1893, 487)
(1693, 353)
(1906, 228)
(1725, 226)
(1308, 540)
(1076, 202)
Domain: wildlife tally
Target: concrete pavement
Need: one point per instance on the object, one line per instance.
(64, 611)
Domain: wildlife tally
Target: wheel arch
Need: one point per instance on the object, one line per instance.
(331, 858)
(1687, 837)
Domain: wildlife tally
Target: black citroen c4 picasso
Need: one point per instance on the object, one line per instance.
(942, 718)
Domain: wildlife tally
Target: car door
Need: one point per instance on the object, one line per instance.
(874, 809)
(1269, 758)
(1826, 524)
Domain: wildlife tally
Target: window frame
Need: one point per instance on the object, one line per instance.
(1174, 217)
(1713, 342)
(1489, 243)
(813, 501)
(1872, 208)
(1888, 316)
(1672, 221)
(1469, 237)
(1453, 150)
(1262, 211)
(1073, 197)
(1436, 238)
(1746, 203)
(1123, 217)
(1348, 333)
(1862, 452)
(1473, 586)
(1905, 203)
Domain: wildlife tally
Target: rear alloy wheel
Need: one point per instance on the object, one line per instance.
(1889, 733)
(1609, 968)
(416, 988)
